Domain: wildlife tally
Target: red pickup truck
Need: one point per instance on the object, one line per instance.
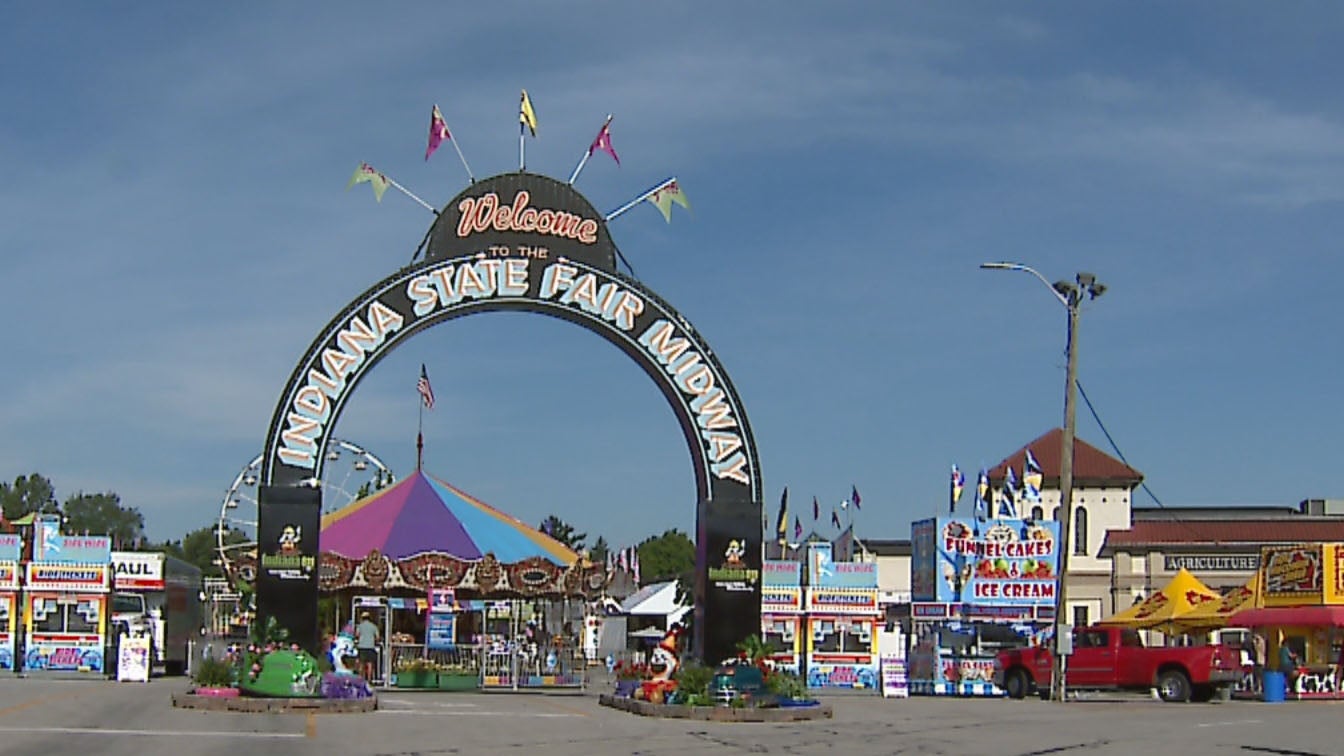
(1113, 658)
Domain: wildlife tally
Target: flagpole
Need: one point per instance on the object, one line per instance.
(522, 164)
(419, 433)
(408, 193)
(623, 208)
(587, 154)
(952, 494)
(470, 175)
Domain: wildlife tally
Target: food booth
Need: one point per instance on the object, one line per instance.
(65, 602)
(842, 621)
(976, 586)
(782, 611)
(11, 548)
(1302, 589)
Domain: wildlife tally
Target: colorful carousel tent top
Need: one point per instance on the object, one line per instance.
(422, 532)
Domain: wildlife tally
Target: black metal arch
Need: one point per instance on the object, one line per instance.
(521, 242)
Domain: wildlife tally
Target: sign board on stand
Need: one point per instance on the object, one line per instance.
(133, 659)
(895, 683)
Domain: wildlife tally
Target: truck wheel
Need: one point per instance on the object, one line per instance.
(1016, 684)
(1173, 686)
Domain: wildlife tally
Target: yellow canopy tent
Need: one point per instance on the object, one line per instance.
(1159, 611)
(1214, 615)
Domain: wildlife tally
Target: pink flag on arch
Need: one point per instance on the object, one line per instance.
(603, 142)
(438, 131)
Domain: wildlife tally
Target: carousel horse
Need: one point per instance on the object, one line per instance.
(342, 648)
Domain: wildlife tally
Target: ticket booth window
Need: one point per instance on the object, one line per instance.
(779, 634)
(857, 637)
(51, 615)
(826, 637)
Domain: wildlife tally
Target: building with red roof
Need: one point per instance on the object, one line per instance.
(1120, 554)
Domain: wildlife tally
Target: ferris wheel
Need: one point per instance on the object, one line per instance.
(350, 471)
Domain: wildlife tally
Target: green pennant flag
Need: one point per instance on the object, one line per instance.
(365, 173)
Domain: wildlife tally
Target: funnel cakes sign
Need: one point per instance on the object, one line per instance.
(990, 563)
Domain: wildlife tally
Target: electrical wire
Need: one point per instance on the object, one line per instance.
(1115, 448)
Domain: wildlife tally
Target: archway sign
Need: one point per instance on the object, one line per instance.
(521, 242)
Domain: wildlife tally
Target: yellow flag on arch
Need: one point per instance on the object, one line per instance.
(526, 115)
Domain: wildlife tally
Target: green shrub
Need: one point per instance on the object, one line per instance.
(213, 673)
(785, 684)
(693, 679)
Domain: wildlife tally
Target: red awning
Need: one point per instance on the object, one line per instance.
(1315, 616)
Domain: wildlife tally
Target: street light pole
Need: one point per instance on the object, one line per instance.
(1071, 296)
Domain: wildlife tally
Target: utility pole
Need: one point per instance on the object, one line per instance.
(1070, 294)
(1062, 625)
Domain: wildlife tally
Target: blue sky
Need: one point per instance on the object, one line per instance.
(177, 230)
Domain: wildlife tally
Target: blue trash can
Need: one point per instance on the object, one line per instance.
(1276, 686)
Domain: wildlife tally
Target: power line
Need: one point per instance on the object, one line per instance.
(1115, 448)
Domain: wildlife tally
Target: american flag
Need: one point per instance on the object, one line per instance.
(426, 391)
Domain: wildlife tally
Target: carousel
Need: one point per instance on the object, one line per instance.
(462, 594)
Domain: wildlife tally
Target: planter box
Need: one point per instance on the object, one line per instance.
(449, 681)
(416, 679)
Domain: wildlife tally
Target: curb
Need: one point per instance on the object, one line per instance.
(717, 713)
(275, 705)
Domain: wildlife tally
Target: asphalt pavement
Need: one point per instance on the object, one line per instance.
(94, 716)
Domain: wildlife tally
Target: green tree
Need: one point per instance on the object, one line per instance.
(378, 482)
(599, 550)
(563, 532)
(28, 493)
(103, 514)
(666, 557)
(201, 548)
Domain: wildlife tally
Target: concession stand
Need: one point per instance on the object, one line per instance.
(11, 547)
(65, 602)
(976, 586)
(1302, 591)
(782, 611)
(842, 621)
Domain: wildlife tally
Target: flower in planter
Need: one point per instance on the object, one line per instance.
(632, 671)
(415, 664)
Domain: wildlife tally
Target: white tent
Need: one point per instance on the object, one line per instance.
(656, 600)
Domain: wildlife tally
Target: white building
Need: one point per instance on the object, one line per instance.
(1103, 488)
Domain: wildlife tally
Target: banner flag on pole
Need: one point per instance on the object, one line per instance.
(663, 197)
(365, 173)
(854, 496)
(981, 494)
(1031, 477)
(526, 115)
(816, 509)
(426, 391)
(958, 483)
(797, 529)
(1008, 502)
(603, 142)
(438, 131)
(782, 525)
(835, 517)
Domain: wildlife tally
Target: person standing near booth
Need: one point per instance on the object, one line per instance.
(1258, 661)
(1288, 664)
(366, 640)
